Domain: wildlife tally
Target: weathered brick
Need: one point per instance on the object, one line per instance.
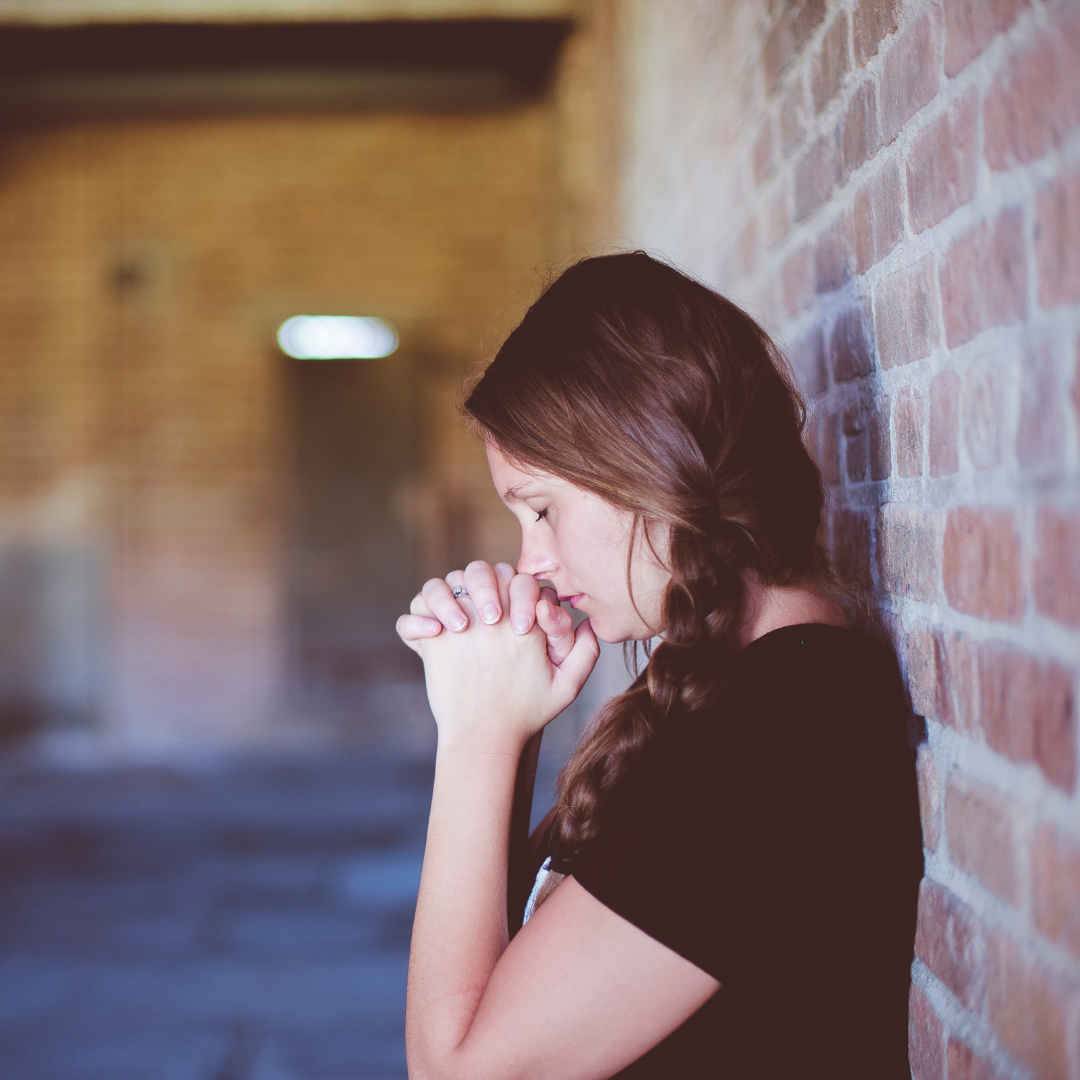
(981, 567)
(815, 176)
(793, 116)
(874, 21)
(984, 279)
(942, 165)
(830, 449)
(856, 442)
(911, 73)
(1056, 569)
(1040, 435)
(1034, 105)
(926, 1038)
(880, 441)
(832, 63)
(979, 829)
(746, 249)
(797, 279)
(908, 426)
(860, 132)
(921, 672)
(1057, 242)
(984, 414)
(762, 155)
(1055, 885)
(909, 550)
(851, 545)
(777, 219)
(788, 34)
(1028, 712)
(951, 942)
(834, 255)
(879, 216)
(851, 343)
(1029, 1009)
(970, 25)
(808, 362)
(963, 1063)
(957, 674)
(944, 435)
(929, 797)
(906, 314)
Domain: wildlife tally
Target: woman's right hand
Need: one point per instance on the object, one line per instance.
(435, 608)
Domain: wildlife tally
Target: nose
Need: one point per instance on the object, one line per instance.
(534, 559)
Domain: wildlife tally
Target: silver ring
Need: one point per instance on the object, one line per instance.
(459, 590)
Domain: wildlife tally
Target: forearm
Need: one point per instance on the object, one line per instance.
(460, 929)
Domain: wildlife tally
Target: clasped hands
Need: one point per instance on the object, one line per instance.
(502, 659)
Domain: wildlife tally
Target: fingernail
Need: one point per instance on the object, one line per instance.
(490, 613)
(521, 624)
(431, 627)
(458, 622)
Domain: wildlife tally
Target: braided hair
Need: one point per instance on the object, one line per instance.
(635, 382)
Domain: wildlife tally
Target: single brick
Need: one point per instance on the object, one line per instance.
(908, 425)
(880, 441)
(860, 132)
(874, 21)
(1056, 569)
(834, 255)
(777, 50)
(851, 345)
(793, 116)
(906, 314)
(829, 460)
(851, 545)
(1027, 711)
(943, 165)
(984, 279)
(970, 25)
(808, 362)
(979, 829)
(926, 1038)
(909, 551)
(1040, 436)
(777, 219)
(963, 1063)
(929, 797)
(984, 414)
(957, 673)
(815, 176)
(762, 156)
(797, 279)
(981, 567)
(1029, 1009)
(806, 15)
(1034, 105)
(856, 442)
(1057, 242)
(911, 73)
(1055, 885)
(944, 435)
(921, 672)
(951, 942)
(832, 63)
(879, 216)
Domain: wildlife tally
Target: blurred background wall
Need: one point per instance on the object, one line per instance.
(203, 542)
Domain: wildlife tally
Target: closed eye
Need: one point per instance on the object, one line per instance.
(541, 514)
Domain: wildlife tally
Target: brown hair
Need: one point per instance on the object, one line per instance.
(637, 383)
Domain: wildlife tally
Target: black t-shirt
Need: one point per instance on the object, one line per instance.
(774, 841)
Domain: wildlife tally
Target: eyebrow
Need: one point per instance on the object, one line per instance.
(515, 491)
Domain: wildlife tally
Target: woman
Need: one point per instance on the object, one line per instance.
(735, 845)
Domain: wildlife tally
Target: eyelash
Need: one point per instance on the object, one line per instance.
(541, 514)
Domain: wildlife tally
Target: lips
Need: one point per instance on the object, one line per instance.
(572, 599)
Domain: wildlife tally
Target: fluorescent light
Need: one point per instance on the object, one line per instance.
(336, 337)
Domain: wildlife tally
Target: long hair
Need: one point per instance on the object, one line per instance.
(641, 385)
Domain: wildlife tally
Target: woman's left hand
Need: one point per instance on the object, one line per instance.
(494, 684)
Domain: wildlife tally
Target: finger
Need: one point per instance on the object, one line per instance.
(580, 661)
(418, 605)
(483, 589)
(559, 627)
(412, 629)
(548, 591)
(504, 574)
(441, 603)
(524, 593)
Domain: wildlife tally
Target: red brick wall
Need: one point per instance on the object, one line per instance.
(894, 187)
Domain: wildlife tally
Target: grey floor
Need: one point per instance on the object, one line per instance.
(247, 922)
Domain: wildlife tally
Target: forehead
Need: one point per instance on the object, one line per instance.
(510, 478)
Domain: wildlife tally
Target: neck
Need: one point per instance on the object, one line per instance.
(769, 607)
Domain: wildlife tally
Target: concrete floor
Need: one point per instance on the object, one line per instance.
(246, 922)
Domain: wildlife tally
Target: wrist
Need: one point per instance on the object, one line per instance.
(484, 750)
